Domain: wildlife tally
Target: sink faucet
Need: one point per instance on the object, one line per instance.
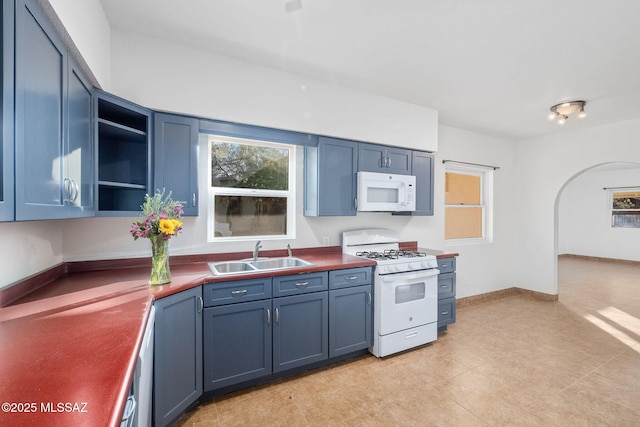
(289, 249)
(256, 249)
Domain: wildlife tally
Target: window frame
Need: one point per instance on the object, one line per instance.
(611, 209)
(289, 194)
(486, 202)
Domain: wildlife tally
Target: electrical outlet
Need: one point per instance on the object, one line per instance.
(325, 241)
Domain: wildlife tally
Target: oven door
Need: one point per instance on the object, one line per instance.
(406, 300)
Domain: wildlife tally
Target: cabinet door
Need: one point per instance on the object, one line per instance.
(350, 318)
(422, 168)
(382, 158)
(178, 354)
(40, 85)
(300, 330)
(446, 312)
(330, 178)
(79, 150)
(350, 277)
(446, 285)
(300, 283)
(398, 160)
(237, 343)
(7, 197)
(176, 158)
(371, 158)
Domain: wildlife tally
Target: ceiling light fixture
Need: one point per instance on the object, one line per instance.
(562, 111)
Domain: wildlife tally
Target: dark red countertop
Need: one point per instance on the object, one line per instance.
(68, 350)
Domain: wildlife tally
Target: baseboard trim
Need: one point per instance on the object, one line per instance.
(504, 293)
(600, 259)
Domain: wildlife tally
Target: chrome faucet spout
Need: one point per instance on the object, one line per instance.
(289, 249)
(256, 249)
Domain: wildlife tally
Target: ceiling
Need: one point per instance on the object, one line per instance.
(494, 67)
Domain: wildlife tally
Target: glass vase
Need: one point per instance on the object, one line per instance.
(160, 273)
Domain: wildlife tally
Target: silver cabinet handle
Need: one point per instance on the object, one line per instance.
(444, 286)
(276, 319)
(302, 284)
(444, 313)
(351, 278)
(388, 162)
(67, 190)
(71, 190)
(239, 293)
(193, 200)
(268, 316)
(76, 190)
(369, 298)
(200, 304)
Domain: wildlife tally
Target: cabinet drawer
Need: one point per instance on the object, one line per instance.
(349, 277)
(446, 311)
(446, 285)
(447, 265)
(236, 291)
(300, 283)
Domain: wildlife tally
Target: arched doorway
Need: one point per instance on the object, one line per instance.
(583, 215)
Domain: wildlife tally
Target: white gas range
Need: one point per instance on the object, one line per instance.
(405, 290)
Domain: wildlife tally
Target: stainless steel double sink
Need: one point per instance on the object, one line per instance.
(222, 268)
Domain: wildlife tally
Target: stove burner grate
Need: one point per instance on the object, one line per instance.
(390, 254)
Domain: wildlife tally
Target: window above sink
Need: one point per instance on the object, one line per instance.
(251, 189)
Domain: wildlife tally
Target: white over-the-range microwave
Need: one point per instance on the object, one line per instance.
(385, 192)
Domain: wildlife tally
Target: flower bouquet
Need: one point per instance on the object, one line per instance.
(161, 221)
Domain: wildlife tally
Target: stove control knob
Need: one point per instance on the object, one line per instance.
(425, 264)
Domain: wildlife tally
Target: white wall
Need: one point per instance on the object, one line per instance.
(29, 247)
(87, 24)
(486, 267)
(584, 217)
(167, 76)
(545, 166)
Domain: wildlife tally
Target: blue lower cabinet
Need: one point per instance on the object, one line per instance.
(446, 292)
(350, 320)
(258, 328)
(300, 330)
(177, 368)
(237, 343)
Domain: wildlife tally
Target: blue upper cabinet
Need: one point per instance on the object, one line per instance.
(124, 155)
(6, 112)
(53, 123)
(330, 178)
(80, 144)
(175, 162)
(422, 168)
(385, 159)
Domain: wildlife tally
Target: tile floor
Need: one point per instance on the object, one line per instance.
(509, 362)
